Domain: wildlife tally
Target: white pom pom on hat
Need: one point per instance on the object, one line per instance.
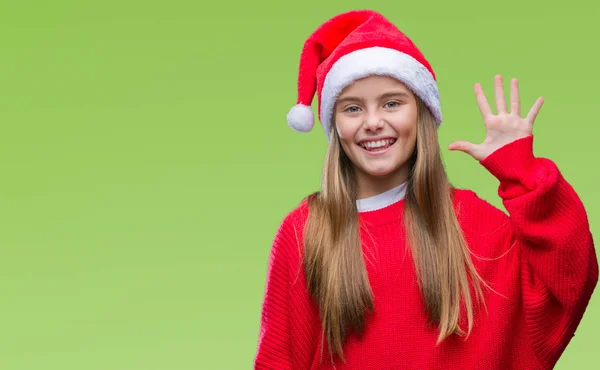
(301, 118)
(351, 46)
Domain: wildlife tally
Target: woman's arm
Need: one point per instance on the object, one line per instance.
(274, 349)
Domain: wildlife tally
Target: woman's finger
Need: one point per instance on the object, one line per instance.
(482, 102)
(533, 112)
(515, 103)
(499, 92)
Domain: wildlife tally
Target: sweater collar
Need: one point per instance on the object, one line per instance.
(382, 200)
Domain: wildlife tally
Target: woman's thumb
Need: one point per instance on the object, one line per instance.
(463, 146)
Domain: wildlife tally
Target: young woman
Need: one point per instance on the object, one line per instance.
(390, 267)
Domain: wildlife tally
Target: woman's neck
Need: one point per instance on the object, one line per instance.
(370, 186)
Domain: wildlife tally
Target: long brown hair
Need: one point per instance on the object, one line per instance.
(333, 261)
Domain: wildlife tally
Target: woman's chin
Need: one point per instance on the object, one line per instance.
(380, 172)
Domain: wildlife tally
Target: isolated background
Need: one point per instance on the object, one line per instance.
(146, 161)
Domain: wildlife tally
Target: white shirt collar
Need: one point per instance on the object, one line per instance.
(382, 200)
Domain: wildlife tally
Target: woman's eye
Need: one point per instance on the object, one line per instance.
(352, 109)
(393, 104)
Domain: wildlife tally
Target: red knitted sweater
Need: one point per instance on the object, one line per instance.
(540, 259)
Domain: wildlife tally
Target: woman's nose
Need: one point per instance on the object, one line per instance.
(374, 122)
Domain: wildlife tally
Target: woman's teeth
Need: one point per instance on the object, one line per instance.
(380, 144)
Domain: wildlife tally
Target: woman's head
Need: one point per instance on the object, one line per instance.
(348, 48)
(376, 121)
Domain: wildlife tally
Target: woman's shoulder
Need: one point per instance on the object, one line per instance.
(288, 239)
(296, 217)
(469, 196)
(299, 213)
(487, 230)
(469, 204)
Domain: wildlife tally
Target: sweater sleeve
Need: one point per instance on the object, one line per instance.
(274, 343)
(548, 222)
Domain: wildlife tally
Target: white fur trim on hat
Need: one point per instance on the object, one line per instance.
(378, 61)
(301, 118)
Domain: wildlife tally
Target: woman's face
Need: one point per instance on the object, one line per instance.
(376, 120)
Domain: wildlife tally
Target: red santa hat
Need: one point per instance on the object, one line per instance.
(351, 46)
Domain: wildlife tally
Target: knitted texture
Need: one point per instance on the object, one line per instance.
(539, 259)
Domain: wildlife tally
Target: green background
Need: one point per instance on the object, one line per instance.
(146, 161)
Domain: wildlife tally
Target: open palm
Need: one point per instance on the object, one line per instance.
(503, 127)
